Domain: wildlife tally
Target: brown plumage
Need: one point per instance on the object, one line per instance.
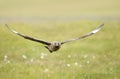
(54, 46)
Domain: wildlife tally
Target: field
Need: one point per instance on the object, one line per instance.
(95, 57)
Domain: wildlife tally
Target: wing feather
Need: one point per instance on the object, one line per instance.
(84, 36)
(28, 37)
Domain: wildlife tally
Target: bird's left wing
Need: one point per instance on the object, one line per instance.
(84, 36)
(28, 37)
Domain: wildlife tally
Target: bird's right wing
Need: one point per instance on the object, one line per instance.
(28, 37)
(86, 35)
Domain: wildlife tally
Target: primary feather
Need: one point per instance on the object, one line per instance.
(84, 36)
(28, 37)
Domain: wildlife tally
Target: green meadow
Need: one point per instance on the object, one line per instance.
(95, 57)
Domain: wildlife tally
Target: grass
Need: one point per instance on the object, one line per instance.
(96, 57)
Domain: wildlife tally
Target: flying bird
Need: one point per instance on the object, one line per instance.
(54, 46)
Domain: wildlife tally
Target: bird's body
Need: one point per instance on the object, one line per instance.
(54, 46)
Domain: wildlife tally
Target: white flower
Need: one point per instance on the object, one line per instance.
(85, 56)
(46, 70)
(68, 65)
(24, 56)
(43, 55)
(31, 60)
(93, 57)
(88, 62)
(5, 58)
(76, 64)
(69, 56)
(8, 61)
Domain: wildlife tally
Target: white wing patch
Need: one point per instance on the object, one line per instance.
(14, 31)
(95, 31)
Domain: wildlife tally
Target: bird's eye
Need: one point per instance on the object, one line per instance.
(56, 44)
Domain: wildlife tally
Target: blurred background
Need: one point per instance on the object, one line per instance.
(28, 10)
(96, 57)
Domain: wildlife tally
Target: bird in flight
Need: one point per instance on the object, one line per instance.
(54, 46)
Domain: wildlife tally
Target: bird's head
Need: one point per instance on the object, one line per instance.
(56, 44)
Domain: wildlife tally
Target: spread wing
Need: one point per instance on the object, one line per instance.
(29, 38)
(84, 36)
